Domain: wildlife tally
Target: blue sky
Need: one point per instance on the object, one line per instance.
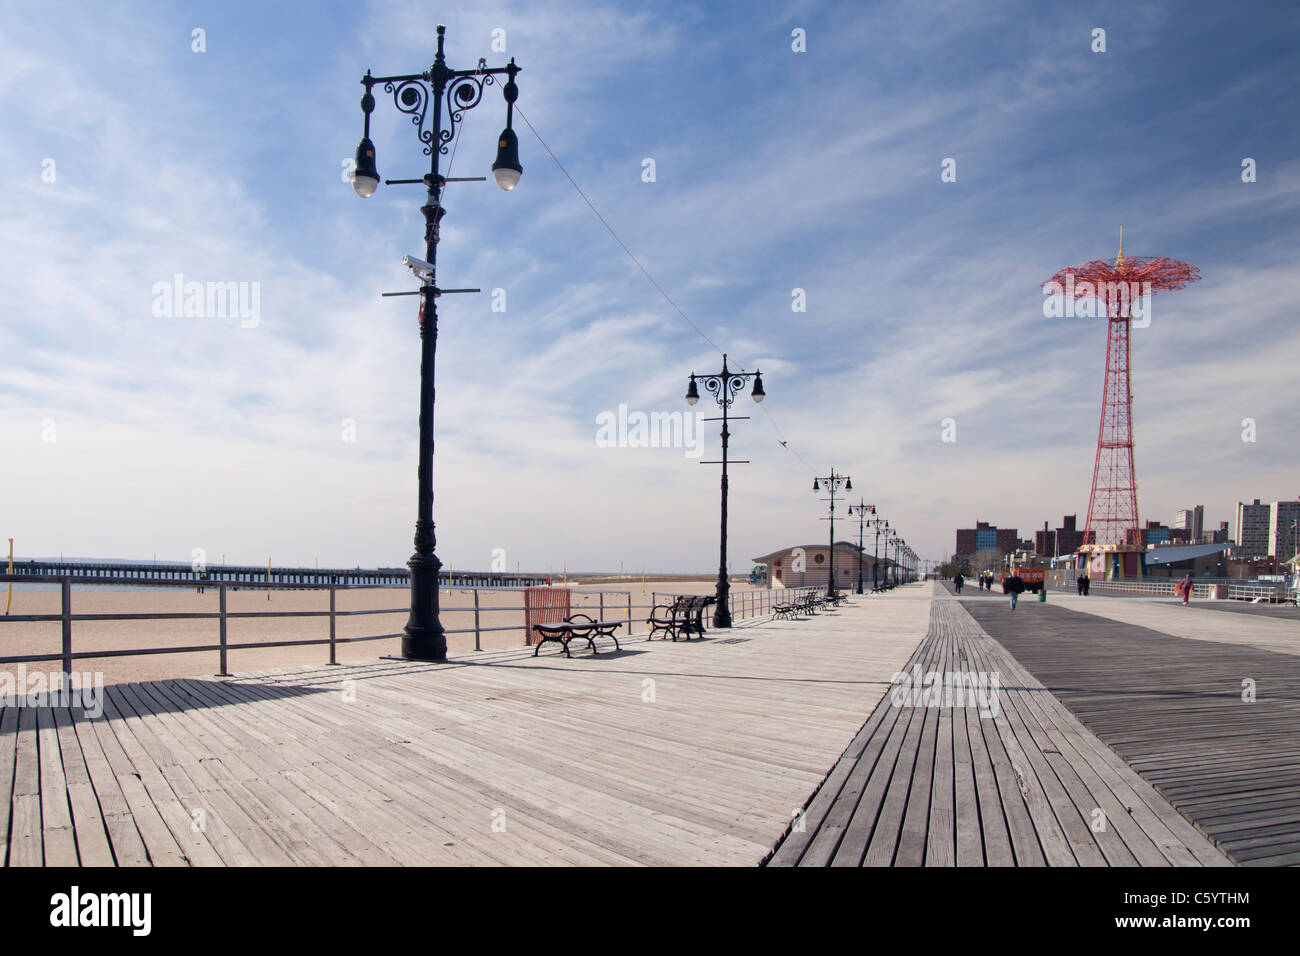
(129, 434)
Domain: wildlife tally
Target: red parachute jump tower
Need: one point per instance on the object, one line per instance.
(1113, 544)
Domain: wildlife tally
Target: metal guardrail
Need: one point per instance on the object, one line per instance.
(744, 605)
(1273, 594)
(66, 617)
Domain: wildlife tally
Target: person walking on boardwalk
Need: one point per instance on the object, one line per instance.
(1087, 583)
(1184, 587)
(957, 581)
(1014, 587)
(1078, 585)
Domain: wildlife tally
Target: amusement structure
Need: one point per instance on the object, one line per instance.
(1112, 538)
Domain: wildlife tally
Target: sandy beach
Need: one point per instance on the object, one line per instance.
(497, 609)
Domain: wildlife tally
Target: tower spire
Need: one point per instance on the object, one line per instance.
(1119, 259)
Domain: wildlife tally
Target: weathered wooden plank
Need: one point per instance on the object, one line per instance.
(25, 845)
(852, 827)
(123, 837)
(87, 821)
(886, 828)
(969, 841)
(941, 834)
(56, 816)
(1170, 706)
(8, 754)
(153, 792)
(996, 837)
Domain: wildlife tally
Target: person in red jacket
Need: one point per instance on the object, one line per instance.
(1185, 586)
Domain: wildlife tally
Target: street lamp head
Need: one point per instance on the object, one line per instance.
(506, 170)
(692, 393)
(365, 177)
(758, 392)
(816, 486)
(848, 485)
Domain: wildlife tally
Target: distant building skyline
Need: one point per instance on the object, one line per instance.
(985, 536)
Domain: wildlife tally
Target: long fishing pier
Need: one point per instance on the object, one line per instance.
(200, 575)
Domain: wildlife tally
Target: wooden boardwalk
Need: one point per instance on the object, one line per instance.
(668, 753)
(1026, 785)
(1173, 708)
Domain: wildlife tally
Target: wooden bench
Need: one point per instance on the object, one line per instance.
(577, 625)
(673, 616)
(805, 604)
(682, 618)
(696, 623)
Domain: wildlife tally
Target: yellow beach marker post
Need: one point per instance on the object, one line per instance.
(10, 598)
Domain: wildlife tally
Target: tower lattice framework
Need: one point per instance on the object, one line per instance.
(1112, 505)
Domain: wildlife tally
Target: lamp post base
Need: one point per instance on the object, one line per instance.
(425, 639)
(424, 645)
(722, 614)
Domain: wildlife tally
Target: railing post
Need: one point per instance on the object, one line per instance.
(478, 646)
(333, 658)
(602, 607)
(222, 608)
(629, 613)
(65, 587)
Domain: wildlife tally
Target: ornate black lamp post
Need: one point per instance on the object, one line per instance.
(724, 387)
(891, 573)
(862, 510)
(412, 95)
(833, 482)
(879, 523)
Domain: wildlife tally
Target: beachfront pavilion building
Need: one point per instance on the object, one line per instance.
(1175, 560)
(808, 565)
